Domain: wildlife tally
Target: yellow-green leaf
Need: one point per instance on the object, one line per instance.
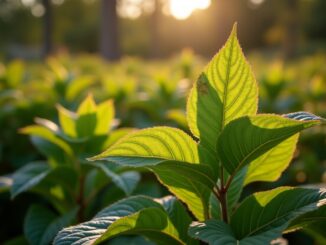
(224, 91)
(247, 138)
(180, 164)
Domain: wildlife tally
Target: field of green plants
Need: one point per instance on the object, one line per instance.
(153, 184)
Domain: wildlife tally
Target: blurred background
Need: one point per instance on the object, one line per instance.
(158, 28)
(145, 55)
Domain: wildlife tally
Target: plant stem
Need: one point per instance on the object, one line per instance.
(222, 197)
(80, 200)
(224, 207)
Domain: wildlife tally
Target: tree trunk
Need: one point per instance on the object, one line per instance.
(109, 41)
(154, 29)
(290, 42)
(47, 29)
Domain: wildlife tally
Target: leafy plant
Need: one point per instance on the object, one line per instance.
(78, 193)
(236, 146)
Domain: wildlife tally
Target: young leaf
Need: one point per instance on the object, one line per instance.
(224, 91)
(47, 134)
(67, 121)
(104, 117)
(41, 224)
(213, 232)
(247, 138)
(162, 149)
(263, 216)
(134, 212)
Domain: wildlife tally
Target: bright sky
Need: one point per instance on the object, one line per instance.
(182, 9)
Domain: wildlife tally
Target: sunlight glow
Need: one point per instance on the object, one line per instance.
(182, 9)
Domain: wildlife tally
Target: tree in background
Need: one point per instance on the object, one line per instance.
(47, 28)
(154, 29)
(109, 40)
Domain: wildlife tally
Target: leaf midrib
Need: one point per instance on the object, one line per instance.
(227, 80)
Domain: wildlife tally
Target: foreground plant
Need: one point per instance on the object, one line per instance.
(236, 147)
(71, 185)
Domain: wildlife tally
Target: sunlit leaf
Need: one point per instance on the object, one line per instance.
(47, 134)
(127, 215)
(247, 138)
(263, 216)
(162, 149)
(224, 91)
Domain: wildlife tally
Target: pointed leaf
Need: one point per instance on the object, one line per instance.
(88, 106)
(247, 138)
(263, 216)
(224, 91)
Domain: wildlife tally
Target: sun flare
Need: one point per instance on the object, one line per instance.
(182, 9)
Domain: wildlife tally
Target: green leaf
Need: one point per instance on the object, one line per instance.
(86, 121)
(270, 165)
(126, 181)
(41, 224)
(47, 134)
(224, 91)
(156, 144)
(88, 106)
(131, 240)
(15, 73)
(28, 177)
(89, 232)
(213, 232)
(162, 149)
(116, 135)
(77, 86)
(104, 117)
(308, 220)
(179, 217)
(247, 138)
(150, 222)
(67, 121)
(41, 179)
(54, 154)
(263, 216)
